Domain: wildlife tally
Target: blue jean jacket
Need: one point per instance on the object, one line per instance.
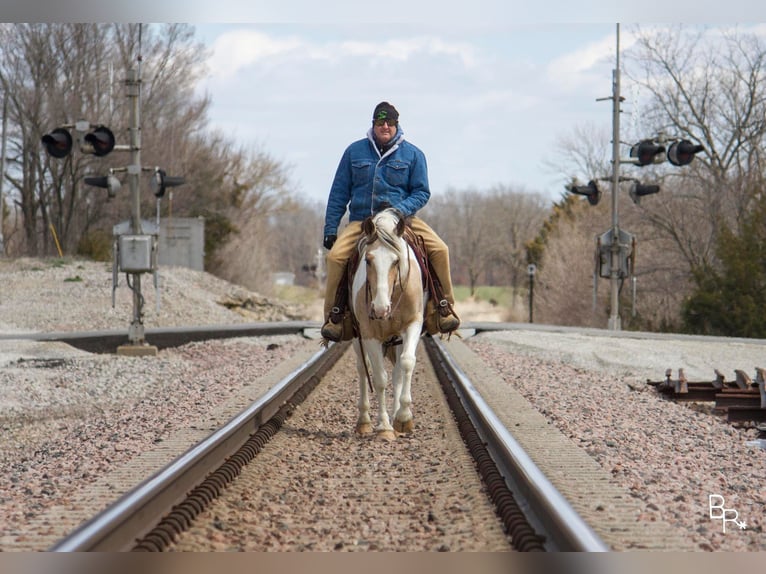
(366, 182)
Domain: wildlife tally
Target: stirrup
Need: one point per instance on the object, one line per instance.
(336, 315)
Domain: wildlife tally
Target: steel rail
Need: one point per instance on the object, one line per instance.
(118, 527)
(546, 508)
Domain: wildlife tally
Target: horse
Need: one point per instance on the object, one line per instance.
(387, 303)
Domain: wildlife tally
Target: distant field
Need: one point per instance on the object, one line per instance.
(296, 294)
(502, 296)
(487, 304)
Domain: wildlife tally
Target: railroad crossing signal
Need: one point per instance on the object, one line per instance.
(58, 143)
(99, 141)
(647, 152)
(679, 153)
(682, 152)
(109, 182)
(638, 190)
(161, 181)
(591, 191)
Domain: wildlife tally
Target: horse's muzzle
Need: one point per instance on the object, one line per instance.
(380, 314)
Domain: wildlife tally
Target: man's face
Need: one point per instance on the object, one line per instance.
(384, 130)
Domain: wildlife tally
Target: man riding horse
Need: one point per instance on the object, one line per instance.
(379, 171)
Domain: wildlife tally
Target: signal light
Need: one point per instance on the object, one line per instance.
(108, 182)
(638, 190)
(58, 143)
(160, 182)
(682, 152)
(591, 191)
(101, 140)
(646, 152)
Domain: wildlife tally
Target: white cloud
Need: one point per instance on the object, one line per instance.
(469, 97)
(575, 69)
(238, 49)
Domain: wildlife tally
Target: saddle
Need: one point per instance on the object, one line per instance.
(430, 282)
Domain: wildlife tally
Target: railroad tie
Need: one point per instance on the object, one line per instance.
(760, 378)
(743, 379)
(720, 380)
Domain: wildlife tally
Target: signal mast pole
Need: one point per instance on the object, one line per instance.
(614, 317)
(133, 85)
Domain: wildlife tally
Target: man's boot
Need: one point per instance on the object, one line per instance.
(446, 319)
(332, 330)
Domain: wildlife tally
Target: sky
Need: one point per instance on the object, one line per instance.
(485, 103)
(485, 88)
(486, 100)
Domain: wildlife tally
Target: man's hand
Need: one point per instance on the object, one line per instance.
(329, 241)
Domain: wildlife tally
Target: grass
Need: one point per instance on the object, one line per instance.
(296, 294)
(502, 296)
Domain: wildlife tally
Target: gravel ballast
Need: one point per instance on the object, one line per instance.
(69, 417)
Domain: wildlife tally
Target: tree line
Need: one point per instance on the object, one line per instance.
(700, 261)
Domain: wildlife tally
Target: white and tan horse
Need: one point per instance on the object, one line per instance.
(387, 300)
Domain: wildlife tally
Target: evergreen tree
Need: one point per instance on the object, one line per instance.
(731, 299)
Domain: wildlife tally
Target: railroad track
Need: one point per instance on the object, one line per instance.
(156, 514)
(741, 400)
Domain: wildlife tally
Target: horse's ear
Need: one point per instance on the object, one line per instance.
(368, 226)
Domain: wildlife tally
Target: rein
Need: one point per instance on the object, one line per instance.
(395, 306)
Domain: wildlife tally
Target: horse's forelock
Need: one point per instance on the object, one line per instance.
(392, 240)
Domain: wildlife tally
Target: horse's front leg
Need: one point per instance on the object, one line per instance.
(379, 381)
(363, 422)
(403, 371)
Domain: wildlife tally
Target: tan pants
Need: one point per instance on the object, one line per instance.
(438, 255)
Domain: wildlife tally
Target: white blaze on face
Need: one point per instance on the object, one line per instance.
(381, 274)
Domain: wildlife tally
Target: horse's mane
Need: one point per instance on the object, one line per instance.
(385, 230)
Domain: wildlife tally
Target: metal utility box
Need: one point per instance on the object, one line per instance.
(135, 252)
(626, 253)
(182, 242)
(138, 253)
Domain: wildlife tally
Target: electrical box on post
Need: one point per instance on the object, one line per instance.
(625, 256)
(137, 253)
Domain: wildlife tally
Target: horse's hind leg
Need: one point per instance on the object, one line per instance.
(363, 423)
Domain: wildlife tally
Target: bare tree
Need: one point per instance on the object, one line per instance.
(58, 74)
(707, 86)
(486, 232)
(583, 153)
(513, 218)
(262, 193)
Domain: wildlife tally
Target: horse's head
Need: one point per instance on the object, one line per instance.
(386, 260)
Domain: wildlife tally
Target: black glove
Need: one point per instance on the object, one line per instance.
(329, 241)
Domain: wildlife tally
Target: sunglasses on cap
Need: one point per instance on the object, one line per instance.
(391, 123)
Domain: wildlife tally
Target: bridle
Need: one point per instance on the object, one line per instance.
(402, 282)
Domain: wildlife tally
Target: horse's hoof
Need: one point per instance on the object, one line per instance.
(364, 429)
(387, 435)
(404, 427)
